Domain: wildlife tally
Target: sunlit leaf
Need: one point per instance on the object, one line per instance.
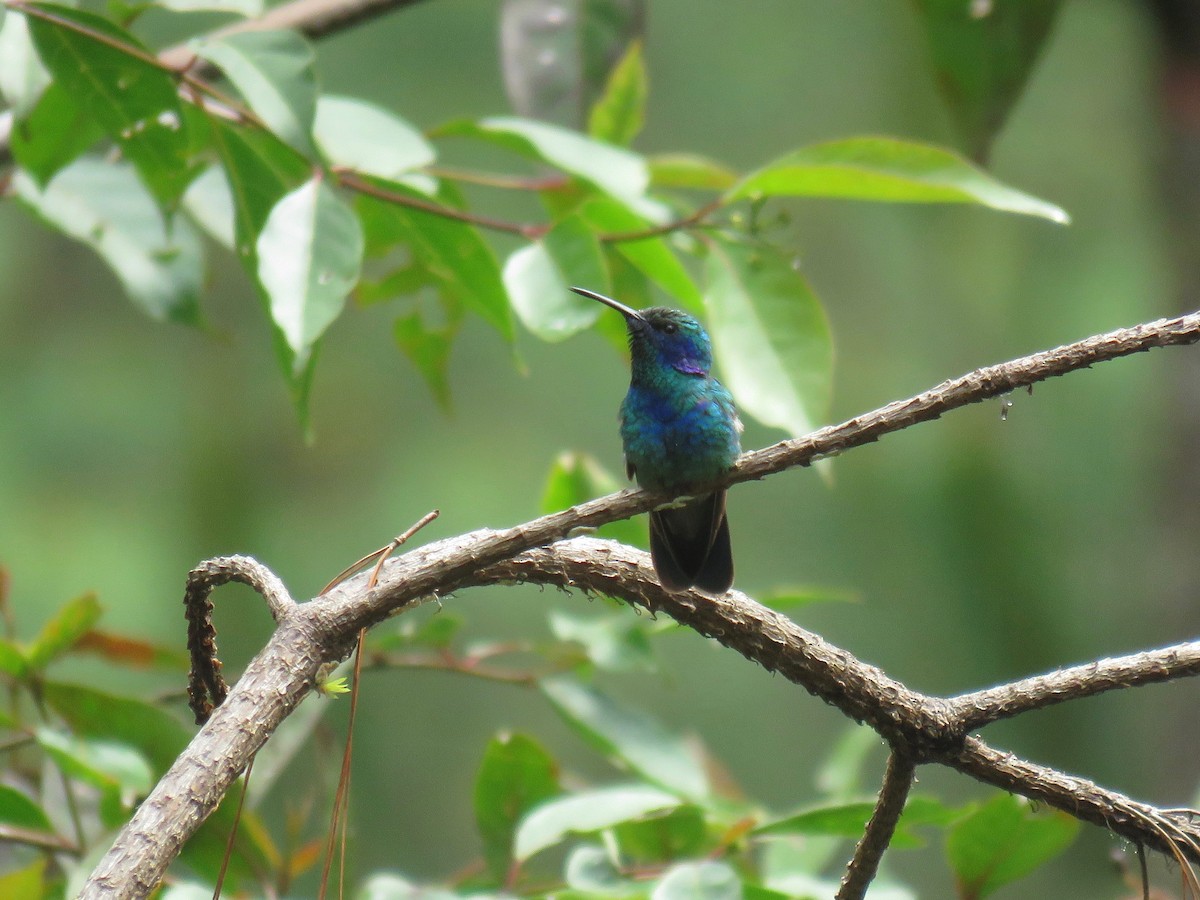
(516, 774)
(250, 9)
(618, 116)
(106, 207)
(1004, 840)
(22, 75)
(68, 624)
(770, 336)
(386, 886)
(616, 171)
(708, 880)
(983, 54)
(209, 202)
(591, 870)
(368, 138)
(273, 71)
(586, 813)
(103, 764)
(889, 170)
(631, 738)
(842, 820)
(131, 96)
(27, 882)
(538, 279)
(12, 659)
(309, 257)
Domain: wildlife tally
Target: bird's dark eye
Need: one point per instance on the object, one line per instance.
(669, 328)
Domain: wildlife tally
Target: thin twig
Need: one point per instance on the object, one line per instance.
(889, 806)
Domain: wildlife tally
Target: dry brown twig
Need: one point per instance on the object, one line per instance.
(919, 728)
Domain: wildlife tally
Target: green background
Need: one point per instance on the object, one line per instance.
(979, 550)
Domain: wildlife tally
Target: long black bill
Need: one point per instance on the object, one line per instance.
(627, 311)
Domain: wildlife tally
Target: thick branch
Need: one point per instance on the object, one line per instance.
(924, 728)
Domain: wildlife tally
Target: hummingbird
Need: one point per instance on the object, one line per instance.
(680, 431)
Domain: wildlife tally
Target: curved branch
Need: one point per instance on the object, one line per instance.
(924, 728)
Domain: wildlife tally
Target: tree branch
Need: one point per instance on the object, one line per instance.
(922, 728)
(897, 782)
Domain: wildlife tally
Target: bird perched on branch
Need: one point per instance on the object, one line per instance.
(680, 432)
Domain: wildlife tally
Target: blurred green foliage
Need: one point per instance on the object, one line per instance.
(979, 549)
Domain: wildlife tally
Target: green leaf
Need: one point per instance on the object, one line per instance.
(273, 71)
(1002, 841)
(578, 477)
(983, 59)
(699, 881)
(64, 630)
(653, 257)
(386, 886)
(27, 882)
(104, 206)
(770, 336)
(54, 134)
(309, 258)
(429, 349)
(159, 736)
(631, 738)
(516, 775)
(22, 75)
(618, 116)
(453, 252)
(686, 170)
(888, 170)
(585, 813)
(131, 96)
(616, 171)
(615, 642)
(538, 279)
(368, 138)
(102, 764)
(840, 774)
(679, 834)
(12, 660)
(839, 820)
(18, 810)
(591, 871)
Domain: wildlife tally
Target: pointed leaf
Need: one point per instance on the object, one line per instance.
(841, 820)
(273, 71)
(516, 775)
(309, 258)
(684, 170)
(616, 171)
(699, 881)
(129, 94)
(18, 810)
(770, 336)
(131, 652)
(429, 350)
(1005, 840)
(63, 631)
(54, 134)
(538, 278)
(631, 738)
(587, 812)
(619, 114)
(12, 660)
(368, 138)
(889, 170)
(104, 206)
(209, 202)
(982, 55)
(103, 764)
